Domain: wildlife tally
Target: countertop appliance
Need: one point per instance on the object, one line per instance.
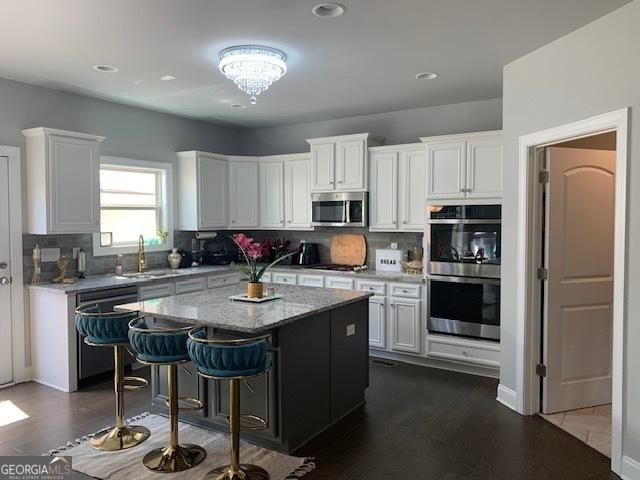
(308, 254)
(462, 267)
(91, 360)
(218, 253)
(339, 209)
(187, 258)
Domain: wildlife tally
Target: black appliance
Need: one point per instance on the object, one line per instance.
(187, 258)
(339, 209)
(219, 253)
(462, 263)
(308, 254)
(290, 260)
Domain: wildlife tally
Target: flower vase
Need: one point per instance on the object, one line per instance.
(174, 258)
(255, 289)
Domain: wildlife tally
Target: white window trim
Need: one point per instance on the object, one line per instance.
(167, 201)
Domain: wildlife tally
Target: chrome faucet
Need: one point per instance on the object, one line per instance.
(142, 259)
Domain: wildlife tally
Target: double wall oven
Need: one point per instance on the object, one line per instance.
(462, 263)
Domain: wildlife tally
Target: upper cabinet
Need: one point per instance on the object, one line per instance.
(285, 192)
(63, 181)
(397, 188)
(340, 163)
(202, 195)
(464, 166)
(243, 192)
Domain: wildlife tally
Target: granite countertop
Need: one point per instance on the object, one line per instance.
(363, 274)
(103, 282)
(213, 308)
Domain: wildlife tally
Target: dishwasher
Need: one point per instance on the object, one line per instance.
(96, 360)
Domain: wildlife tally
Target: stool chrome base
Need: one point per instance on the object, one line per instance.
(174, 459)
(245, 472)
(119, 438)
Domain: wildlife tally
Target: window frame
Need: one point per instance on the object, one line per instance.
(165, 209)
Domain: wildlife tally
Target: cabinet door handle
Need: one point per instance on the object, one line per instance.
(404, 222)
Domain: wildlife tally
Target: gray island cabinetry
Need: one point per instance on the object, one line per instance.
(318, 349)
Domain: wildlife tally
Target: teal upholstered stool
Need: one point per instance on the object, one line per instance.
(167, 346)
(109, 329)
(235, 360)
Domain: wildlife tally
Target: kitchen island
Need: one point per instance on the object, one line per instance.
(318, 347)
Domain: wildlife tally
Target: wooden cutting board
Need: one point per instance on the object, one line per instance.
(348, 249)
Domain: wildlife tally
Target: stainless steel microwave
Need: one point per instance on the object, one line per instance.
(339, 209)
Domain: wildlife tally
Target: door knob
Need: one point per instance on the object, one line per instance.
(5, 281)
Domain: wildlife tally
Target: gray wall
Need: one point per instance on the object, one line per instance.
(131, 132)
(589, 72)
(404, 126)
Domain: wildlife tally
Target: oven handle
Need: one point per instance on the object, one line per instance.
(487, 281)
(347, 209)
(464, 221)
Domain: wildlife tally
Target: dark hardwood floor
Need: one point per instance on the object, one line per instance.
(418, 424)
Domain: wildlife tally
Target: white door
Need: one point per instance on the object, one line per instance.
(243, 194)
(446, 173)
(297, 180)
(74, 188)
(484, 168)
(384, 191)
(579, 292)
(272, 194)
(212, 193)
(323, 156)
(5, 276)
(350, 167)
(377, 322)
(412, 172)
(405, 325)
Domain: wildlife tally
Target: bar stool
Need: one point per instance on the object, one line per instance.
(110, 329)
(234, 360)
(167, 346)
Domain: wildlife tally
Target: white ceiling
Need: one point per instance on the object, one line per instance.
(363, 62)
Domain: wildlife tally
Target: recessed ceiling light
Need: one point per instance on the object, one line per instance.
(237, 105)
(426, 76)
(329, 10)
(106, 68)
(167, 78)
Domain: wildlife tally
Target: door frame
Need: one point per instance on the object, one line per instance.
(20, 369)
(528, 320)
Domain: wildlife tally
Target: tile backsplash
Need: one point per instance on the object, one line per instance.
(100, 265)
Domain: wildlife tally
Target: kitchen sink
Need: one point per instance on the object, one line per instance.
(151, 274)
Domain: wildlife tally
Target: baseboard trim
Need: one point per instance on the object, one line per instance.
(433, 363)
(51, 385)
(630, 469)
(507, 397)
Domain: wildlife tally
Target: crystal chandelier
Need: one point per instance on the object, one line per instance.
(253, 68)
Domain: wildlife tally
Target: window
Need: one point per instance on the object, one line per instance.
(134, 201)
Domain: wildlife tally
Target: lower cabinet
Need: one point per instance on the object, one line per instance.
(311, 280)
(404, 314)
(156, 291)
(339, 282)
(377, 322)
(285, 278)
(190, 384)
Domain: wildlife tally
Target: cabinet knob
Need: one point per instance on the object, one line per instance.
(339, 181)
(463, 190)
(404, 222)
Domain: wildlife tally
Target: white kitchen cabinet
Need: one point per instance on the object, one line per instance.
(477, 352)
(383, 197)
(377, 322)
(297, 192)
(464, 166)
(412, 175)
(405, 324)
(63, 181)
(150, 292)
(339, 282)
(310, 280)
(216, 281)
(397, 188)
(285, 278)
(243, 192)
(267, 277)
(202, 191)
(272, 194)
(190, 285)
(341, 163)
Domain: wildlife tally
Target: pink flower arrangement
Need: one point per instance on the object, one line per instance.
(252, 251)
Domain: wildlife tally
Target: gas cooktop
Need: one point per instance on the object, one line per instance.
(340, 268)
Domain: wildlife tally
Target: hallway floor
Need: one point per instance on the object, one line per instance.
(591, 425)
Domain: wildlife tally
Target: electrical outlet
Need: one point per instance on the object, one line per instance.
(49, 255)
(75, 252)
(393, 246)
(351, 329)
